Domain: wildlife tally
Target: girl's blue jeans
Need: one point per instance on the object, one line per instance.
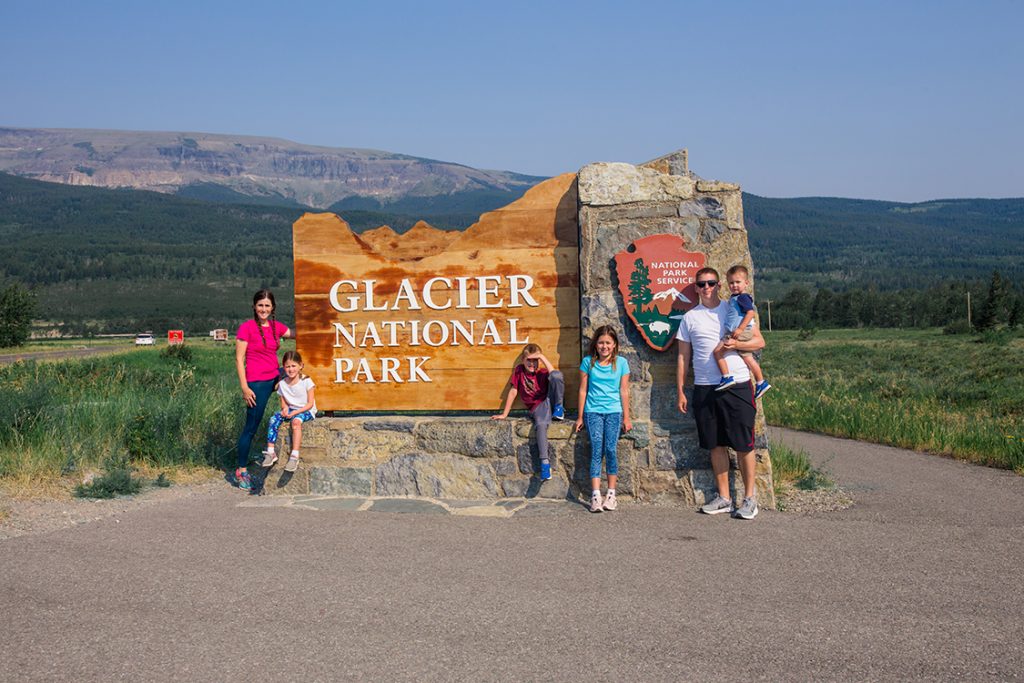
(253, 417)
(603, 429)
(276, 420)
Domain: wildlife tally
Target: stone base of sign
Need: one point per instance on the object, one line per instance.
(473, 458)
(619, 204)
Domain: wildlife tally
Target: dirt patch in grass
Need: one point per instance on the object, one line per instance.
(791, 499)
(39, 514)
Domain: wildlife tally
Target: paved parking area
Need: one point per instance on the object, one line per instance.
(919, 580)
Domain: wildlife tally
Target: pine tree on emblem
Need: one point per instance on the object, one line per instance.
(640, 287)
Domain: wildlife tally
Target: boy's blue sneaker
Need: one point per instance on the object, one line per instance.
(559, 412)
(545, 471)
(727, 381)
(760, 388)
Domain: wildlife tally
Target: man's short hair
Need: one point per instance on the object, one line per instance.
(705, 271)
(738, 269)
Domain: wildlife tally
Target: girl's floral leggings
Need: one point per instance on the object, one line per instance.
(276, 420)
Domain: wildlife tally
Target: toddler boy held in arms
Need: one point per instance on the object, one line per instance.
(739, 325)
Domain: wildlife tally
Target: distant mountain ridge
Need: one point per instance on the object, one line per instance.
(254, 170)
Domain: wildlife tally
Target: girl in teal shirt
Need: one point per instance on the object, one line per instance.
(604, 406)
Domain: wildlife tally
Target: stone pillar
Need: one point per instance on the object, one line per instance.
(659, 460)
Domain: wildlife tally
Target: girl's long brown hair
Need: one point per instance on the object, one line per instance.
(601, 332)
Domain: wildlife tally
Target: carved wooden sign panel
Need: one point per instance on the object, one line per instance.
(434, 320)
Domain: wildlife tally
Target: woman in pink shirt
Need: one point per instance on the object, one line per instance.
(258, 341)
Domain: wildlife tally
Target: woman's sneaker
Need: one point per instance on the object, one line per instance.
(243, 479)
(760, 388)
(609, 501)
(596, 502)
(727, 381)
(717, 506)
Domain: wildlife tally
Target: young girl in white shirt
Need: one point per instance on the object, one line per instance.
(297, 405)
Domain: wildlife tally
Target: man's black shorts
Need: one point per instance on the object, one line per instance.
(725, 418)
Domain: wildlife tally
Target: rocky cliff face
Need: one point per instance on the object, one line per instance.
(257, 167)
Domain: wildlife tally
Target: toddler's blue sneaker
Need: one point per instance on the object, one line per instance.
(545, 471)
(761, 387)
(559, 412)
(727, 381)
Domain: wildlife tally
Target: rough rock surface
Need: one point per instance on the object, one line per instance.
(618, 204)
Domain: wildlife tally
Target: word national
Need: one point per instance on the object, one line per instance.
(498, 293)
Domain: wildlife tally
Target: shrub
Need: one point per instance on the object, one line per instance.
(995, 336)
(806, 333)
(141, 435)
(17, 306)
(795, 468)
(117, 481)
(178, 352)
(958, 327)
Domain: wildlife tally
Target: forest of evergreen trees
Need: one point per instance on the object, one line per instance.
(100, 260)
(991, 304)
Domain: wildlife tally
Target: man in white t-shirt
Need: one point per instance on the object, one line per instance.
(725, 419)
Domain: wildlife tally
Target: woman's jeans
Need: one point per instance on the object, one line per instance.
(603, 429)
(276, 420)
(253, 417)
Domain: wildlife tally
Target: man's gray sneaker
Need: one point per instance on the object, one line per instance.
(717, 506)
(746, 511)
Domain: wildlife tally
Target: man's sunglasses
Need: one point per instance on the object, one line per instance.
(707, 283)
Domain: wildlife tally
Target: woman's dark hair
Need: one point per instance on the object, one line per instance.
(604, 330)
(258, 297)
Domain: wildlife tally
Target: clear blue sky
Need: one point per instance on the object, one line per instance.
(887, 100)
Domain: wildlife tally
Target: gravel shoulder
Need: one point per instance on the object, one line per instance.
(19, 517)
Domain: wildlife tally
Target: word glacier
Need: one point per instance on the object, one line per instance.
(491, 293)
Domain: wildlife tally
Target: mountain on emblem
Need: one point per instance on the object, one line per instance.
(656, 282)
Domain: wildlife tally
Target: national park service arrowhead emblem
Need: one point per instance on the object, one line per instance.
(656, 282)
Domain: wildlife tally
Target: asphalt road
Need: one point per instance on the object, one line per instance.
(921, 579)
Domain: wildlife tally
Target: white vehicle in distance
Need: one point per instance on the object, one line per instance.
(145, 339)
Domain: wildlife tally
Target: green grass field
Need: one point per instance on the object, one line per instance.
(956, 395)
(61, 419)
(915, 389)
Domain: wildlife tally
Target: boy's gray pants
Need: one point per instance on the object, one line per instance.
(541, 413)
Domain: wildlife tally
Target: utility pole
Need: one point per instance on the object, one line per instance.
(769, 302)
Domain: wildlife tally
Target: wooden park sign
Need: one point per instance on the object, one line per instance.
(656, 278)
(434, 320)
